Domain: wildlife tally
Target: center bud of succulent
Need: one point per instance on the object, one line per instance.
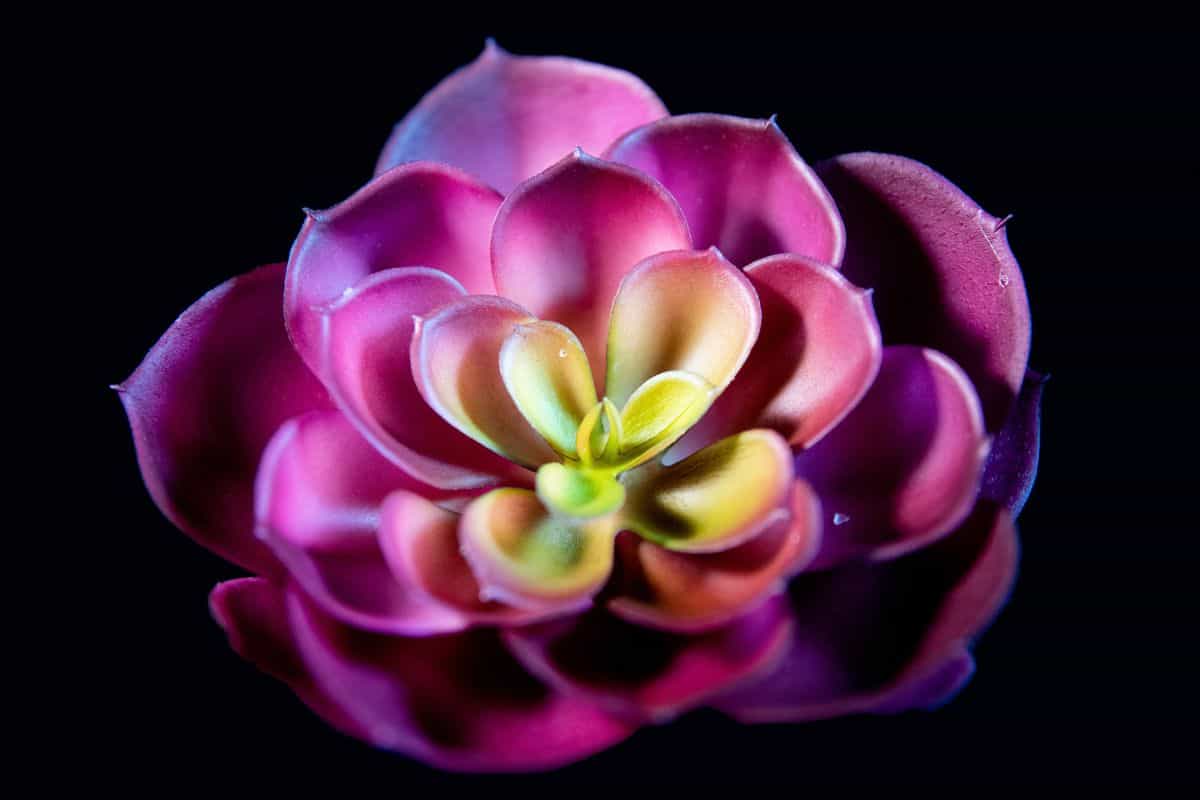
(598, 427)
(547, 374)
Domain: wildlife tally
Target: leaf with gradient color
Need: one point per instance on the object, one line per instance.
(713, 499)
(529, 558)
(547, 375)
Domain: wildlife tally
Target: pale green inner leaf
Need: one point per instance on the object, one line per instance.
(551, 548)
(592, 436)
(535, 553)
(579, 492)
(713, 496)
(546, 373)
(658, 413)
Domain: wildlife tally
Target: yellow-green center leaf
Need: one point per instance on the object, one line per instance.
(659, 412)
(714, 499)
(546, 373)
(579, 492)
(527, 557)
(599, 436)
(682, 310)
(592, 436)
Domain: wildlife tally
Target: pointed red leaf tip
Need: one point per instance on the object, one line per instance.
(741, 184)
(418, 215)
(505, 118)
(203, 404)
(564, 239)
(943, 274)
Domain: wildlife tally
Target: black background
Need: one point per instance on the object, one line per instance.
(211, 148)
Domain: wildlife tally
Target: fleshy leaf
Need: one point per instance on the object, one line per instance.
(903, 468)
(943, 274)
(205, 401)
(593, 434)
(887, 636)
(418, 215)
(506, 117)
(547, 375)
(683, 310)
(741, 184)
(658, 413)
(564, 239)
(1013, 461)
(419, 540)
(714, 499)
(253, 614)
(529, 558)
(456, 364)
(317, 498)
(817, 354)
(581, 493)
(647, 674)
(459, 702)
(698, 591)
(366, 337)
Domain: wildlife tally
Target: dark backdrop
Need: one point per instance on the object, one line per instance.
(212, 148)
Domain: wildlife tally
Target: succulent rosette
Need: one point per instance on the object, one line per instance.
(580, 415)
